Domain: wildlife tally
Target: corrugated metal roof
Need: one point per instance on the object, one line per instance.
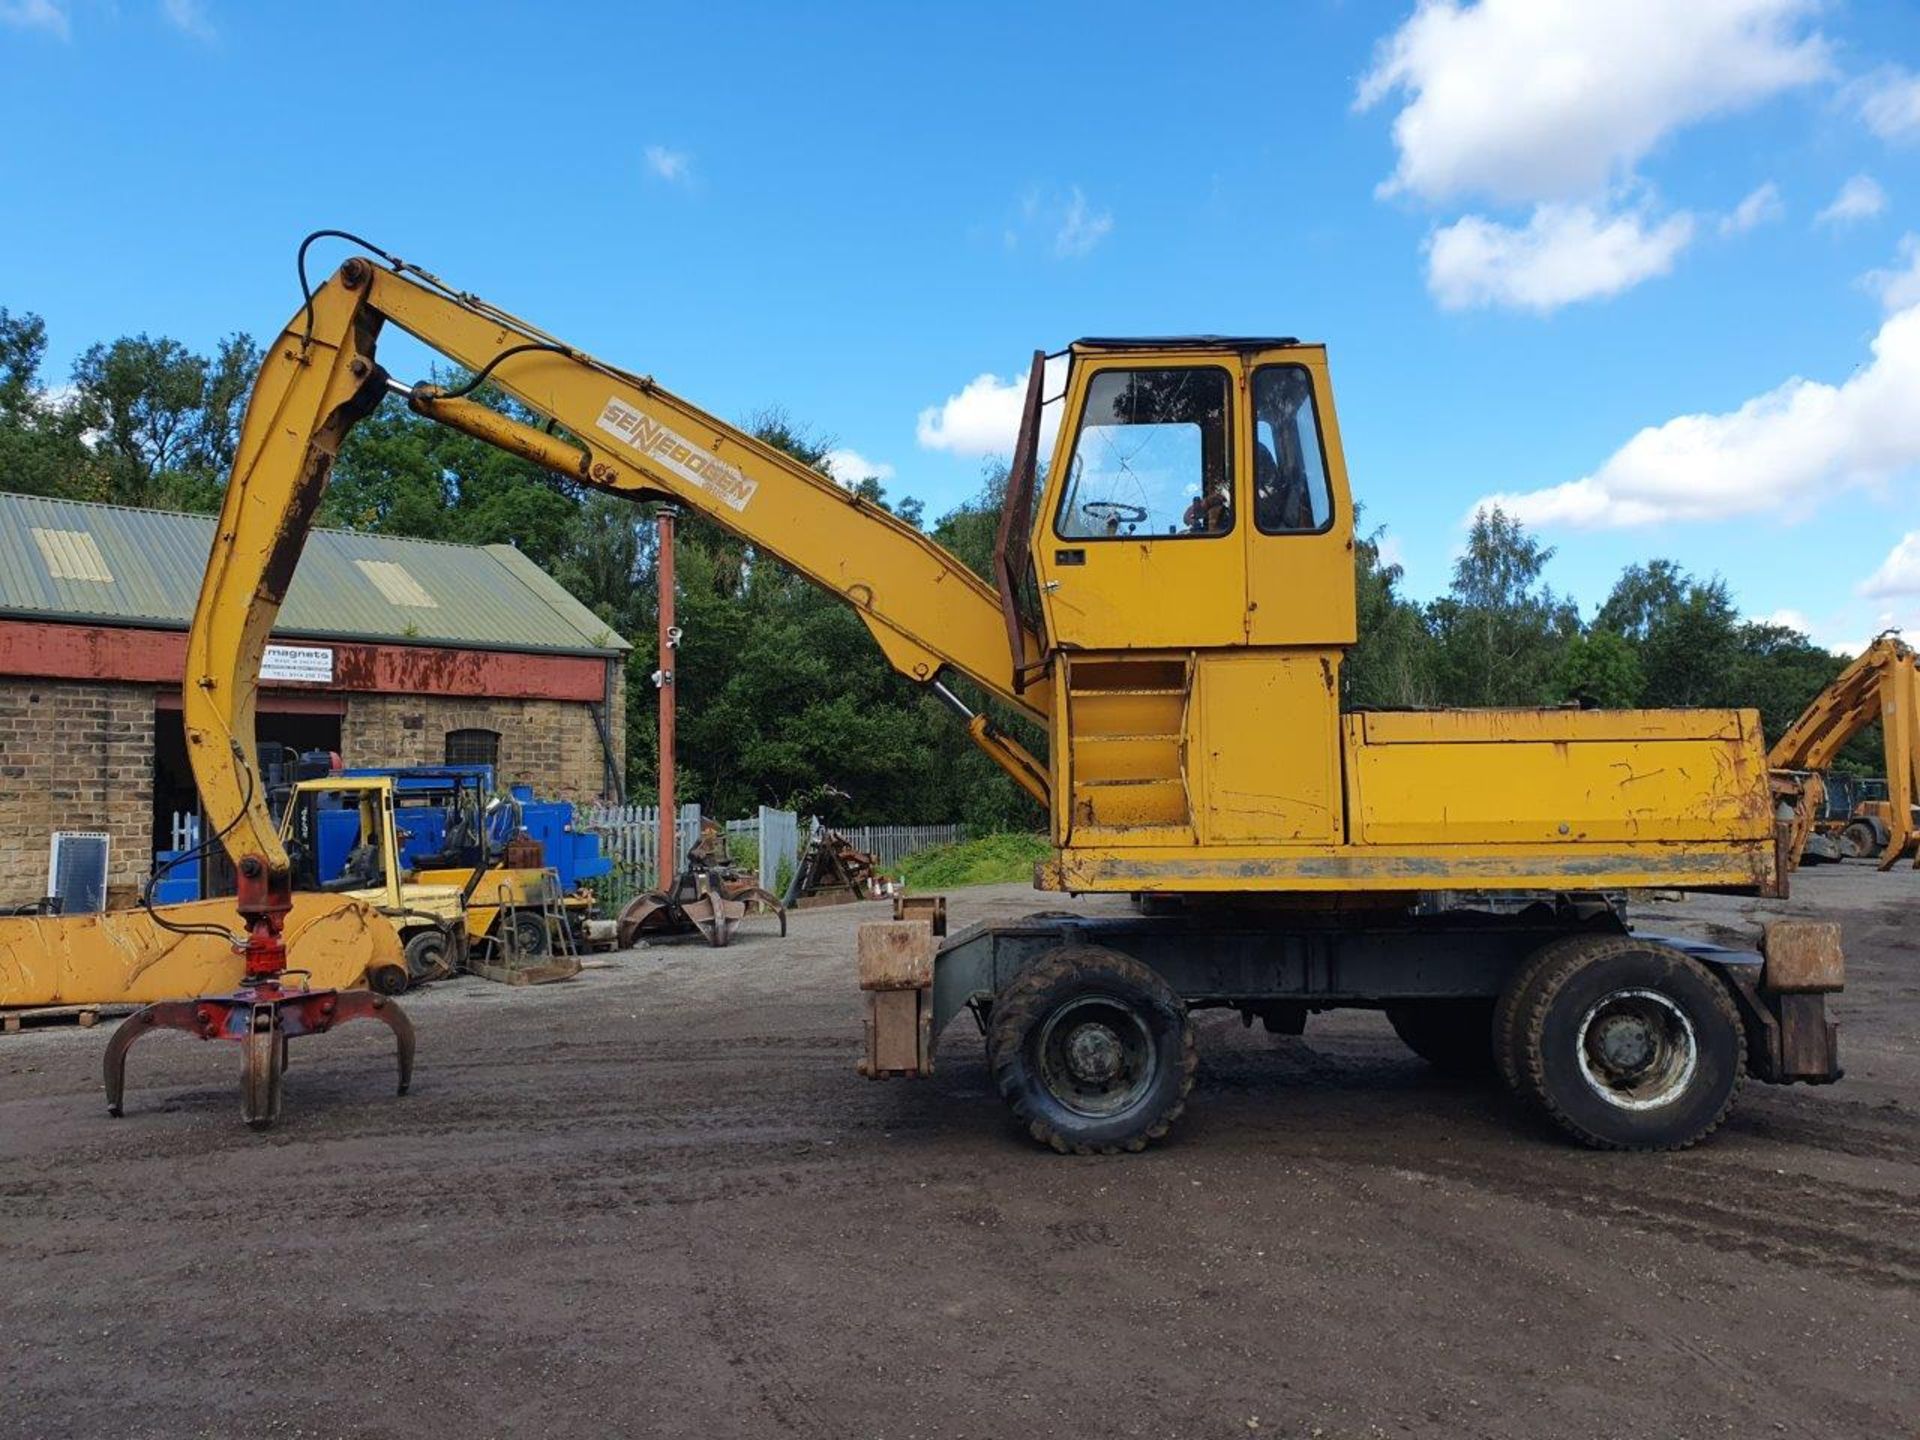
(67, 560)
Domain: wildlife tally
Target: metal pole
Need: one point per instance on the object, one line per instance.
(663, 677)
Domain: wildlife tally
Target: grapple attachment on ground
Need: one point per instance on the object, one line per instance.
(712, 895)
(832, 872)
(262, 1018)
(266, 1011)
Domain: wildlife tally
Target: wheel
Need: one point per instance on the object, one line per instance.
(1515, 1001)
(388, 980)
(1091, 1050)
(427, 956)
(1863, 839)
(1630, 1045)
(1453, 1036)
(530, 937)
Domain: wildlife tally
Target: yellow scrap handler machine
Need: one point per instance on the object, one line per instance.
(1880, 684)
(1171, 607)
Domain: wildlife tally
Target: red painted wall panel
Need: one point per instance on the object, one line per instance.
(49, 651)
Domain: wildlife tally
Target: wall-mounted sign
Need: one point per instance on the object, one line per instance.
(312, 663)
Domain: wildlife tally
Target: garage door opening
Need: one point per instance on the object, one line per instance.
(315, 725)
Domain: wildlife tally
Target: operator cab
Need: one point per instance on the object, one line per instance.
(1193, 550)
(1196, 498)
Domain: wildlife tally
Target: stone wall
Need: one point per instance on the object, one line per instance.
(74, 756)
(551, 745)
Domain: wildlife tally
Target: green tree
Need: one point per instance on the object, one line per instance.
(1499, 631)
(41, 446)
(163, 421)
(1600, 670)
(1391, 665)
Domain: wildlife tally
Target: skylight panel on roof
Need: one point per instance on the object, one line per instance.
(72, 555)
(393, 580)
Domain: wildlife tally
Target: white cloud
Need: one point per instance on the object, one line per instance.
(1790, 620)
(1531, 100)
(1063, 222)
(984, 417)
(672, 166)
(1081, 228)
(1899, 573)
(47, 15)
(1861, 198)
(189, 17)
(1900, 287)
(1784, 452)
(850, 467)
(1565, 254)
(1890, 104)
(1763, 204)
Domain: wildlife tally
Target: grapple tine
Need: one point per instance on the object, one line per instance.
(365, 1005)
(754, 895)
(161, 1015)
(264, 1053)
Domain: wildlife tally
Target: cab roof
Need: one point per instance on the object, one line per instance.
(1189, 342)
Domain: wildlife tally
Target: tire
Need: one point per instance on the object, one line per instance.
(1455, 1037)
(1864, 839)
(1092, 1051)
(530, 937)
(1628, 1044)
(388, 980)
(1516, 1000)
(427, 956)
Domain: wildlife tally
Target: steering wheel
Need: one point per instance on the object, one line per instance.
(1114, 510)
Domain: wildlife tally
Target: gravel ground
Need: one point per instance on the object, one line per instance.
(657, 1201)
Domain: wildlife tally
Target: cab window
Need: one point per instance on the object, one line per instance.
(1151, 459)
(1290, 495)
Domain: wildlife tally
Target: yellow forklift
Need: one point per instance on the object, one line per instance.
(472, 905)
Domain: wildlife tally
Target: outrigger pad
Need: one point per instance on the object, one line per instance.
(262, 1018)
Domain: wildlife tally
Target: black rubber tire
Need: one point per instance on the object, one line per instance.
(388, 980)
(1077, 973)
(1580, 975)
(1515, 1000)
(1455, 1037)
(530, 936)
(427, 956)
(1865, 839)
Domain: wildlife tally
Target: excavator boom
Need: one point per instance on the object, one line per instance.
(607, 429)
(1881, 684)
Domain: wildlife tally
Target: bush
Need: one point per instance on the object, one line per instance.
(989, 860)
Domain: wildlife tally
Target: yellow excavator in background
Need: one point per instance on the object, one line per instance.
(1880, 684)
(1172, 607)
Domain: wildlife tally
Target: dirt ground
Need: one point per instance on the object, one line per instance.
(657, 1201)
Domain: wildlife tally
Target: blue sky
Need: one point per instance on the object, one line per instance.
(1528, 230)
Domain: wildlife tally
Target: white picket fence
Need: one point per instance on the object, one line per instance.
(630, 837)
(890, 844)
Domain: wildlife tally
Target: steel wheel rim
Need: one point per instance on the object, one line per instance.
(1637, 1049)
(1096, 1056)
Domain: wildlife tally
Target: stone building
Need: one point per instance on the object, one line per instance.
(388, 651)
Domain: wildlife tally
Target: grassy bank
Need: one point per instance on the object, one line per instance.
(989, 860)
